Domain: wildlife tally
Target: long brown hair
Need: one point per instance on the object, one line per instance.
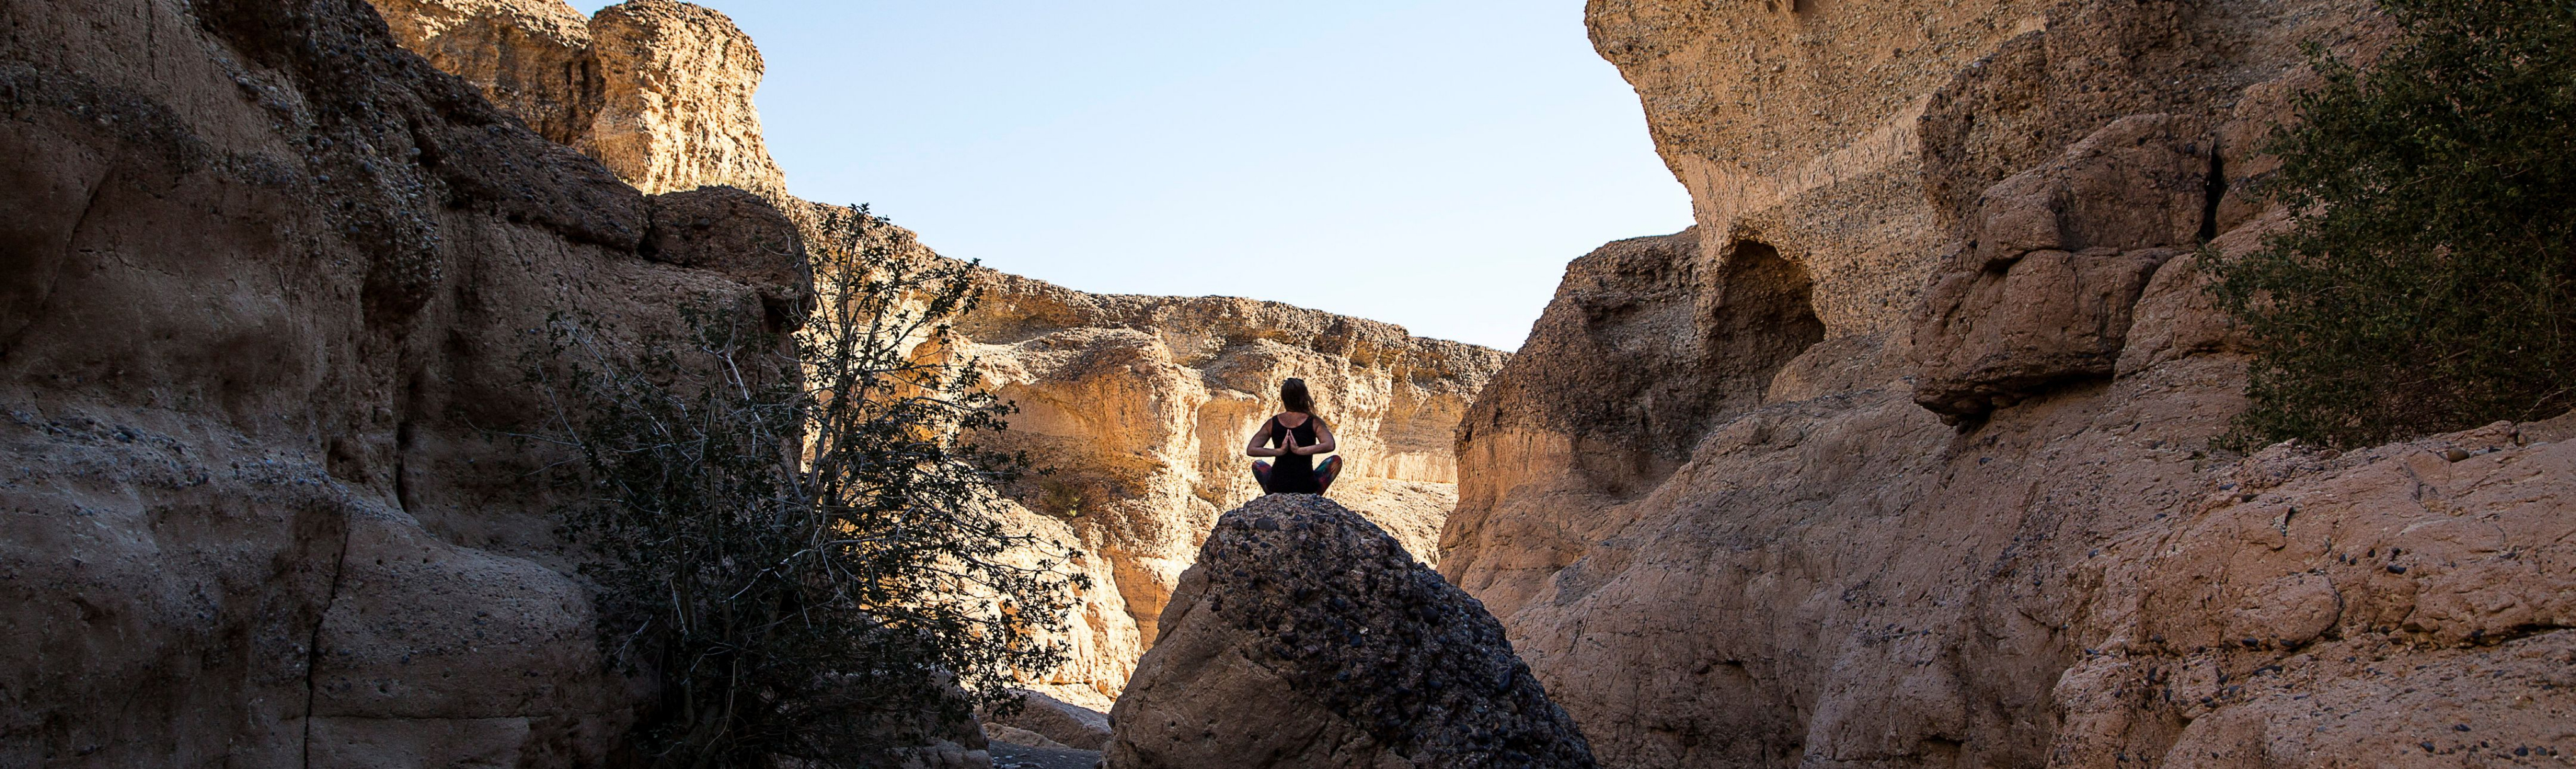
(1293, 397)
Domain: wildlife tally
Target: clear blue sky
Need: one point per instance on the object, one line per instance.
(1430, 163)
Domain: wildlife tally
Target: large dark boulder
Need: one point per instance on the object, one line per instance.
(1306, 637)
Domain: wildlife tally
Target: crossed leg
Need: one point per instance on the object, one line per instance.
(1324, 475)
(1261, 473)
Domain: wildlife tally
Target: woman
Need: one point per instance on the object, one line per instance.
(1295, 436)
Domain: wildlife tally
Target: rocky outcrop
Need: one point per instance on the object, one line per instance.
(660, 91)
(1851, 137)
(1063, 723)
(272, 287)
(1306, 637)
(2041, 289)
(675, 108)
(1998, 206)
(1137, 404)
(530, 57)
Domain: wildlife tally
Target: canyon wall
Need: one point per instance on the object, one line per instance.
(273, 290)
(1137, 405)
(1900, 457)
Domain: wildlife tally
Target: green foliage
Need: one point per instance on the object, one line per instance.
(2426, 285)
(794, 538)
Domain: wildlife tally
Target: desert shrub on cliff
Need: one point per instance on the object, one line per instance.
(2429, 282)
(803, 552)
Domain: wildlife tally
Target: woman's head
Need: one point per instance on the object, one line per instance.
(1293, 396)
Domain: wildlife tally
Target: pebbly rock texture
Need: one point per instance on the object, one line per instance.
(1141, 404)
(274, 285)
(1997, 206)
(1306, 637)
(2407, 605)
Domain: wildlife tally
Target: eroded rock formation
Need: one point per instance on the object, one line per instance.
(658, 90)
(272, 284)
(1306, 637)
(1992, 210)
(1138, 404)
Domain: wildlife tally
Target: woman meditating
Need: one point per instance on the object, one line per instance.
(1295, 436)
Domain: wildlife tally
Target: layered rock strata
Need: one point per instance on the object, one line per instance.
(1137, 404)
(1952, 502)
(272, 288)
(1306, 637)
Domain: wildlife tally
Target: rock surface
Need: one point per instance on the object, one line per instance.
(1070, 725)
(272, 286)
(2015, 313)
(660, 91)
(1306, 637)
(1996, 203)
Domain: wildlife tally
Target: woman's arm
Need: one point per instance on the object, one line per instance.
(1323, 440)
(1259, 437)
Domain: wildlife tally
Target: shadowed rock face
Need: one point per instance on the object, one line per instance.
(272, 282)
(1305, 637)
(1998, 205)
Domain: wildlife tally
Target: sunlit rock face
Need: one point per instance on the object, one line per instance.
(659, 91)
(1900, 457)
(1139, 405)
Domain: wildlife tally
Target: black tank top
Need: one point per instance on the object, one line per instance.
(1294, 473)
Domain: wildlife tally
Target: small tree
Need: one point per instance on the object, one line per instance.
(803, 551)
(2426, 283)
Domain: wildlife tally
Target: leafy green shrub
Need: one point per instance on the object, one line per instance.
(803, 551)
(2426, 285)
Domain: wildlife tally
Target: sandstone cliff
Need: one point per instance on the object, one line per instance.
(271, 282)
(1305, 637)
(1900, 457)
(658, 90)
(1138, 404)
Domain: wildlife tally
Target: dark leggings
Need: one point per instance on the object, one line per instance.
(1324, 475)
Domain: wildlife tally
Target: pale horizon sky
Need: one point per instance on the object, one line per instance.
(1429, 163)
